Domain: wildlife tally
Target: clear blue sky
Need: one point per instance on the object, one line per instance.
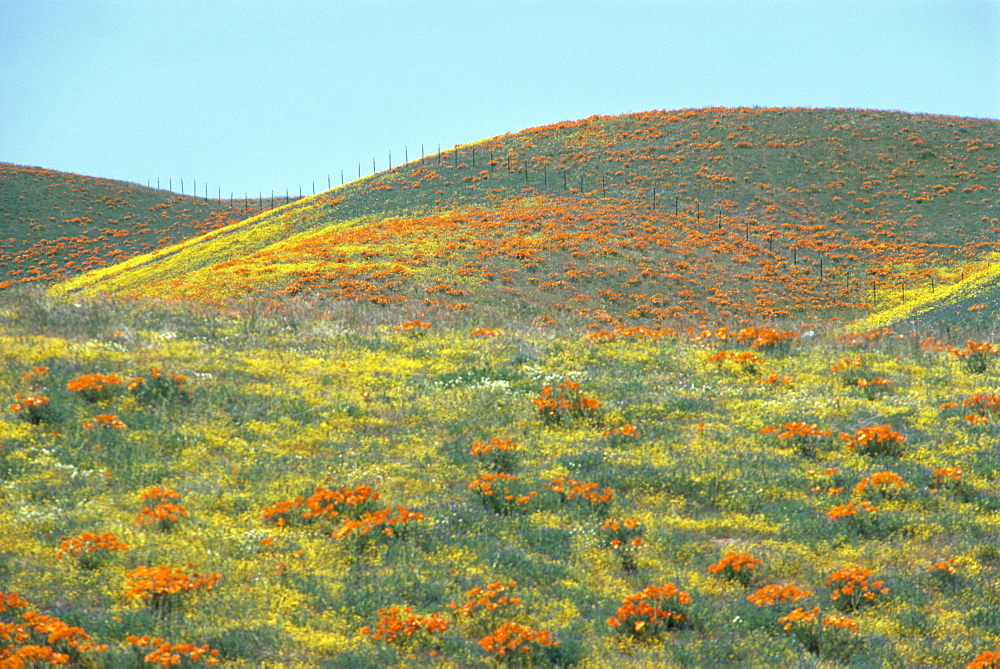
(250, 95)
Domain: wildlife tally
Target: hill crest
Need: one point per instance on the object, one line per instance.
(706, 215)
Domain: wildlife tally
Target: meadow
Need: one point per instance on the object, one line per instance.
(712, 387)
(335, 484)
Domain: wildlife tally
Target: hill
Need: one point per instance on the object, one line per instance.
(55, 225)
(406, 452)
(702, 215)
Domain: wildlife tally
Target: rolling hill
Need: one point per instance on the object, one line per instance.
(702, 215)
(405, 451)
(55, 225)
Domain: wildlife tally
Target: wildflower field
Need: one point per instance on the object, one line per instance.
(336, 486)
(388, 426)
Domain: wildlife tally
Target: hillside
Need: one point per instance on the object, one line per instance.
(394, 445)
(702, 215)
(296, 489)
(55, 225)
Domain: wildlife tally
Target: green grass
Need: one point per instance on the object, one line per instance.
(283, 402)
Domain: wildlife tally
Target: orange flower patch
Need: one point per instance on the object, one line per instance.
(35, 409)
(885, 484)
(501, 493)
(323, 503)
(164, 586)
(96, 387)
(500, 455)
(770, 595)
(646, 614)
(379, 526)
(171, 654)
(400, 627)
(489, 598)
(106, 420)
(566, 402)
(591, 492)
(874, 440)
(746, 362)
(514, 640)
(850, 588)
(161, 510)
(804, 437)
(625, 538)
(736, 567)
(90, 549)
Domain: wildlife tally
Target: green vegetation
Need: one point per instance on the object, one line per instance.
(475, 411)
(266, 442)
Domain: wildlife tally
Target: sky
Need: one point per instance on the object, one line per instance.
(250, 96)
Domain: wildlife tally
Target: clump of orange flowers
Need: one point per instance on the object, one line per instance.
(988, 659)
(588, 491)
(413, 327)
(646, 614)
(850, 509)
(106, 420)
(623, 434)
(520, 644)
(975, 355)
(944, 572)
(873, 387)
(806, 438)
(769, 595)
(400, 627)
(774, 379)
(379, 526)
(829, 637)
(35, 409)
(766, 338)
(171, 654)
(489, 597)
(985, 406)
(500, 493)
(164, 586)
(947, 479)
(40, 638)
(851, 589)
(566, 402)
(161, 387)
(96, 387)
(486, 333)
(624, 537)
(499, 455)
(323, 503)
(887, 485)
(160, 509)
(91, 550)
(874, 440)
(746, 361)
(737, 567)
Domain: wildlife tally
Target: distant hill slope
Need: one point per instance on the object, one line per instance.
(54, 225)
(704, 215)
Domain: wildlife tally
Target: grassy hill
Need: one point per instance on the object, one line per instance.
(55, 225)
(699, 215)
(367, 429)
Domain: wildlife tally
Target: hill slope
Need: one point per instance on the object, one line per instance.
(54, 225)
(705, 215)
